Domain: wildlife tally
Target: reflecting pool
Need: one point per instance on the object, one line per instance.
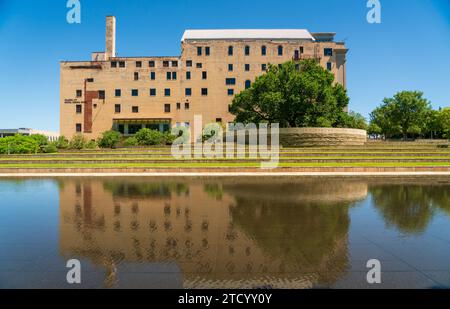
(263, 232)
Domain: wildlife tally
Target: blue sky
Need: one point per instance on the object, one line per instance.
(409, 50)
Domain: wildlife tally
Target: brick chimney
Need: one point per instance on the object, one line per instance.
(110, 37)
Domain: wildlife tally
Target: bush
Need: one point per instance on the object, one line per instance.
(78, 142)
(62, 142)
(169, 138)
(109, 139)
(50, 148)
(131, 141)
(42, 141)
(147, 137)
(18, 144)
(90, 145)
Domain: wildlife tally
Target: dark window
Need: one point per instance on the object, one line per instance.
(263, 67)
(188, 63)
(207, 51)
(328, 51)
(230, 67)
(90, 80)
(152, 92)
(301, 49)
(134, 128)
(136, 76)
(166, 64)
(296, 54)
(117, 108)
(174, 75)
(186, 105)
(219, 120)
(121, 64)
(121, 128)
(152, 75)
(204, 75)
(95, 105)
(78, 127)
(151, 64)
(188, 75)
(113, 64)
(134, 92)
(178, 105)
(199, 65)
(230, 81)
(169, 75)
(118, 92)
(167, 108)
(101, 94)
(230, 92)
(247, 67)
(135, 109)
(204, 91)
(188, 92)
(199, 51)
(248, 83)
(247, 50)
(174, 63)
(78, 109)
(230, 50)
(138, 64)
(280, 50)
(167, 92)
(79, 93)
(263, 50)
(329, 66)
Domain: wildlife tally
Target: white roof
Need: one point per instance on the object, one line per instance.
(229, 34)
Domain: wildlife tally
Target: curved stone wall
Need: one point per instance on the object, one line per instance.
(297, 137)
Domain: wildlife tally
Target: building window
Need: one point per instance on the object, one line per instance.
(167, 92)
(301, 49)
(329, 66)
(230, 92)
(199, 65)
(174, 75)
(230, 67)
(167, 108)
(152, 75)
(113, 64)
(263, 67)
(230, 50)
(121, 64)
(121, 128)
(169, 75)
(174, 64)
(78, 127)
(204, 91)
(178, 107)
(188, 92)
(207, 51)
(166, 64)
(138, 64)
(248, 83)
(95, 105)
(247, 50)
(151, 64)
(199, 51)
(247, 67)
(118, 92)
(152, 92)
(188, 75)
(136, 76)
(263, 50)
(117, 108)
(135, 109)
(188, 63)
(230, 81)
(186, 105)
(204, 75)
(328, 51)
(280, 50)
(134, 92)
(90, 80)
(219, 120)
(78, 109)
(79, 93)
(101, 94)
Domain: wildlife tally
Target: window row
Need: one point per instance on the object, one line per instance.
(151, 64)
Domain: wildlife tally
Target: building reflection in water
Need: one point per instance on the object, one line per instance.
(219, 232)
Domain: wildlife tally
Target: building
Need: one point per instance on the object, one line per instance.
(128, 93)
(51, 136)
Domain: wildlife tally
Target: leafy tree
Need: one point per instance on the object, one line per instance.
(62, 142)
(109, 139)
(18, 144)
(295, 94)
(147, 137)
(78, 142)
(353, 120)
(42, 140)
(443, 118)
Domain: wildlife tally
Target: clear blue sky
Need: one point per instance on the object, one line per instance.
(409, 50)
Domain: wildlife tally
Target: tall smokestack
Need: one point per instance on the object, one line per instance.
(110, 37)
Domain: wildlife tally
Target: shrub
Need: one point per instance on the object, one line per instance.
(50, 148)
(90, 145)
(109, 139)
(62, 142)
(18, 144)
(147, 137)
(78, 142)
(169, 138)
(42, 140)
(131, 141)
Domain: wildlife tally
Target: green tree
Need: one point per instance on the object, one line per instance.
(295, 94)
(109, 139)
(148, 137)
(443, 119)
(78, 142)
(62, 142)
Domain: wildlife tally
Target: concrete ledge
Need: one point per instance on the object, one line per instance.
(310, 137)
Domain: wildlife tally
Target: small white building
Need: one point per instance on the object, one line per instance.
(51, 136)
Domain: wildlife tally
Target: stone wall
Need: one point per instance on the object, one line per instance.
(308, 137)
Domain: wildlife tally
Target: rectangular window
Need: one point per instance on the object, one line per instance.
(230, 50)
(199, 51)
(134, 92)
(204, 91)
(152, 92)
(230, 67)
(117, 108)
(230, 81)
(329, 66)
(136, 76)
(113, 64)
(174, 64)
(167, 92)
(230, 92)
(328, 51)
(219, 120)
(207, 51)
(199, 65)
(247, 67)
(151, 63)
(186, 105)
(174, 75)
(135, 109)
(166, 64)
(167, 108)
(301, 50)
(204, 75)
(79, 93)
(118, 92)
(138, 64)
(101, 94)
(188, 75)
(263, 67)
(188, 92)
(78, 127)
(169, 75)
(90, 80)
(188, 63)
(178, 107)
(78, 109)
(247, 50)
(121, 64)
(152, 75)
(121, 128)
